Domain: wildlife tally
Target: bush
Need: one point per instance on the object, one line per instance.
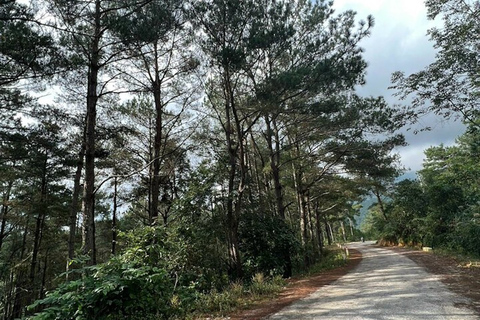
(266, 241)
(148, 279)
(331, 259)
(239, 295)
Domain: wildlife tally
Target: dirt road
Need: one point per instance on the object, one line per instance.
(386, 285)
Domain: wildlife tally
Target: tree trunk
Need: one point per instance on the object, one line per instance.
(157, 145)
(351, 226)
(318, 226)
(74, 204)
(114, 217)
(376, 192)
(89, 247)
(344, 235)
(328, 230)
(4, 211)
(274, 157)
(157, 83)
(21, 280)
(331, 232)
(39, 225)
(235, 149)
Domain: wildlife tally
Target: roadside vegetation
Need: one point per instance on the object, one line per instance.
(440, 209)
(142, 284)
(160, 157)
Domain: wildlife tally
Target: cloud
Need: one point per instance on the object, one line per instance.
(443, 132)
(399, 42)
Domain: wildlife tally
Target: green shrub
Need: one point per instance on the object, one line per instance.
(238, 295)
(148, 279)
(333, 258)
(266, 241)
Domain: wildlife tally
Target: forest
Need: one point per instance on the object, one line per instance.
(155, 154)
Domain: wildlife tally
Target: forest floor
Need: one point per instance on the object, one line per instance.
(460, 277)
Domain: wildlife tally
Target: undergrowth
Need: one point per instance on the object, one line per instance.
(239, 296)
(154, 279)
(332, 258)
(464, 259)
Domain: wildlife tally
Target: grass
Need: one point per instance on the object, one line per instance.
(333, 258)
(463, 259)
(239, 296)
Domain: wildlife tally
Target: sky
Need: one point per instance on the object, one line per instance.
(399, 42)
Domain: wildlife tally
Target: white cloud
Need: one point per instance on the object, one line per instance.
(399, 42)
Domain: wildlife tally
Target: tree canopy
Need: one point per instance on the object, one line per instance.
(217, 143)
(450, 85)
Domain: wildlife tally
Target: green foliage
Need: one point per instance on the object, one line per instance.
(282, 124)
(26, 51)
(148, 279)
(238, 295)
(265, 242)
(331, 259)
(449, 86)
(441, 208)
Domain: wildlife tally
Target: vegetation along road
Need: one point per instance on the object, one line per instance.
(386, 285)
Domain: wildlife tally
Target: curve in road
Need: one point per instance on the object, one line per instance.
(385, 286)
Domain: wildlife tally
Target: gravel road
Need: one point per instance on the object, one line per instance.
(385, 285)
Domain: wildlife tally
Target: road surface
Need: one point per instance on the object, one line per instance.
(385, 285)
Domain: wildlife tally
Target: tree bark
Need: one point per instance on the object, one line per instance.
(328, 230)
(39, 225)
(157, 144)
(342, 227)
(235, 150)
(4, 211)
(89, 247)
(20, 281)
(318, 226)
(274, 157)
(74, 204)
(114, 217)
(376, 192)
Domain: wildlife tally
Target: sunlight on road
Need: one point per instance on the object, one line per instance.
(385, 285)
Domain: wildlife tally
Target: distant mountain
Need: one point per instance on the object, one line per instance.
(363, 211)
(370, 200)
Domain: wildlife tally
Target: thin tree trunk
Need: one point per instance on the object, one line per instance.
(150, 170)
(331, 232)
(312, 231)
(318, 227)
(39, 225)
(344, 235)
(20, 281)
(114, 218)
(157, 145)
(274, 157)
(376, 192)
(74, 204)
(351, 226)
(89, 247)
(4, 211)
(41, 295)
(234, 202)
(328, 230)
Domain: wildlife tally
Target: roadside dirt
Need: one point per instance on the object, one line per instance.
(463, 279)
(297, 289)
